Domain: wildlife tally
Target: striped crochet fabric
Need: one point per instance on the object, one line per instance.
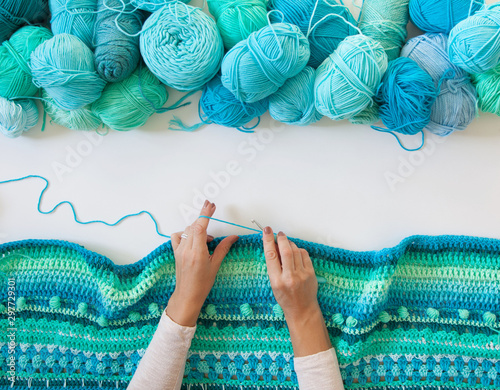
(421, 315)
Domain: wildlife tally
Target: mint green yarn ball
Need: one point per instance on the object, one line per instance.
(130, 103)
(488, 90)
(15, 76)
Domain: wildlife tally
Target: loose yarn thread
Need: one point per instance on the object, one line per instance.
(153, 5)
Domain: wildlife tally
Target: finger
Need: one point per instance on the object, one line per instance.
(176, 240)
(223, 249)
(210, 238)
(297, 256)
(306, 260)
(200, 226)
(286, 253)
(271, 253)
(188, 241)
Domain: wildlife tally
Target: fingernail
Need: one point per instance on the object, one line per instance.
(213, 205)
(267, 230)
(281, 234)
(205, 204)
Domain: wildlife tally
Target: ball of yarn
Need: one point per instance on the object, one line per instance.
(258, 66)
(64, 66)
(385, 21)
(456, 105)
(16, 13)
(117, 54)
(405, 96)
(441, 17)
(152, 5)
(237, 19)
(15, 78)
(368, 116)
(328, 25)
(488, 90)
(75, 17)
(293, 103)
(130, 103)
(347, 80)
(17, 116)
(182, 46)
(474, 43)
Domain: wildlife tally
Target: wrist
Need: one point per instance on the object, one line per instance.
(182, 311)
(302, 318)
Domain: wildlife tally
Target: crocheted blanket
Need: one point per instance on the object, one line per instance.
(421, 315)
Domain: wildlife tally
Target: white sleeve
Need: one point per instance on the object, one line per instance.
(162, 366)
(320, 371)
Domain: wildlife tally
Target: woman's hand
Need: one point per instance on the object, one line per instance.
(195, 268)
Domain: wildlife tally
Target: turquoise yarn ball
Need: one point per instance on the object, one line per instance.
(456, 104)
(441, 16)
(15, 77)
(65, 68)
(220, 106)
(76, 17)
(258, 66)
(293, 103)
(16, 13)
(17, 116)
(474, 43)
(348, 79)
(152, 5)
(327, 28)
(182, 46)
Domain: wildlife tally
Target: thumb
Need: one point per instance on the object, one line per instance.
(223, 248)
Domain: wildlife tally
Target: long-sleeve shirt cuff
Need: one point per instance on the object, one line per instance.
(320, 371)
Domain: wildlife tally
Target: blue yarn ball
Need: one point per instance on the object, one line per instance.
(181, 45)
(293, 103)
(64, 67)
(76, 17)
(17, 116)
(325, 36)
(221, 107)
(153, 5)
(17, 13)
(441, 16)
(258, 66)
(474, 43)
(456, 105)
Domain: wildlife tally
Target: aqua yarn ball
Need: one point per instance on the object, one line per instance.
(64, 67)
(220, 106)
(441, 16)
(237, 19)
(488, 90)
(117, 54)
(348, 79)
(16, 13)
(130, 103)
(474, 43)
(75, 17)
(258, 66)
(17, 116)
(182, 46)
(368, 116)
(293, 103)
(456, 104)
(152, 5)
(15, 77)
(328, 28)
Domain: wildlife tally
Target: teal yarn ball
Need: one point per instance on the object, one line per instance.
(488, 90)
(182, 46)
(293, 103)
(456, 104)
(17, 13)
(258, 66)
(130, 103)
(441, 16)
(237, 19)
(328, 27)
(152, 5)
(116, 53)
(405, 97)
(15, 77)
(17, 116)
(75, 17)
(385, 21)
(474, 43)
(64, 67)
(348, 79)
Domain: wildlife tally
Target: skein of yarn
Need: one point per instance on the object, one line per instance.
(436, 17)
(130, 103)
(182, 46)
(64, 67)
(385, 21)
(16, 13)
(117, 54)
(474, 43)
(237, 19)
(456, 105)
(293, 103)
(15, 77)
(488, 90)
(258, 66)
(76, 17)
(17, 116)
(348, 79)
(153, 5)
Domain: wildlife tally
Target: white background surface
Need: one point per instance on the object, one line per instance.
(335, 183)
